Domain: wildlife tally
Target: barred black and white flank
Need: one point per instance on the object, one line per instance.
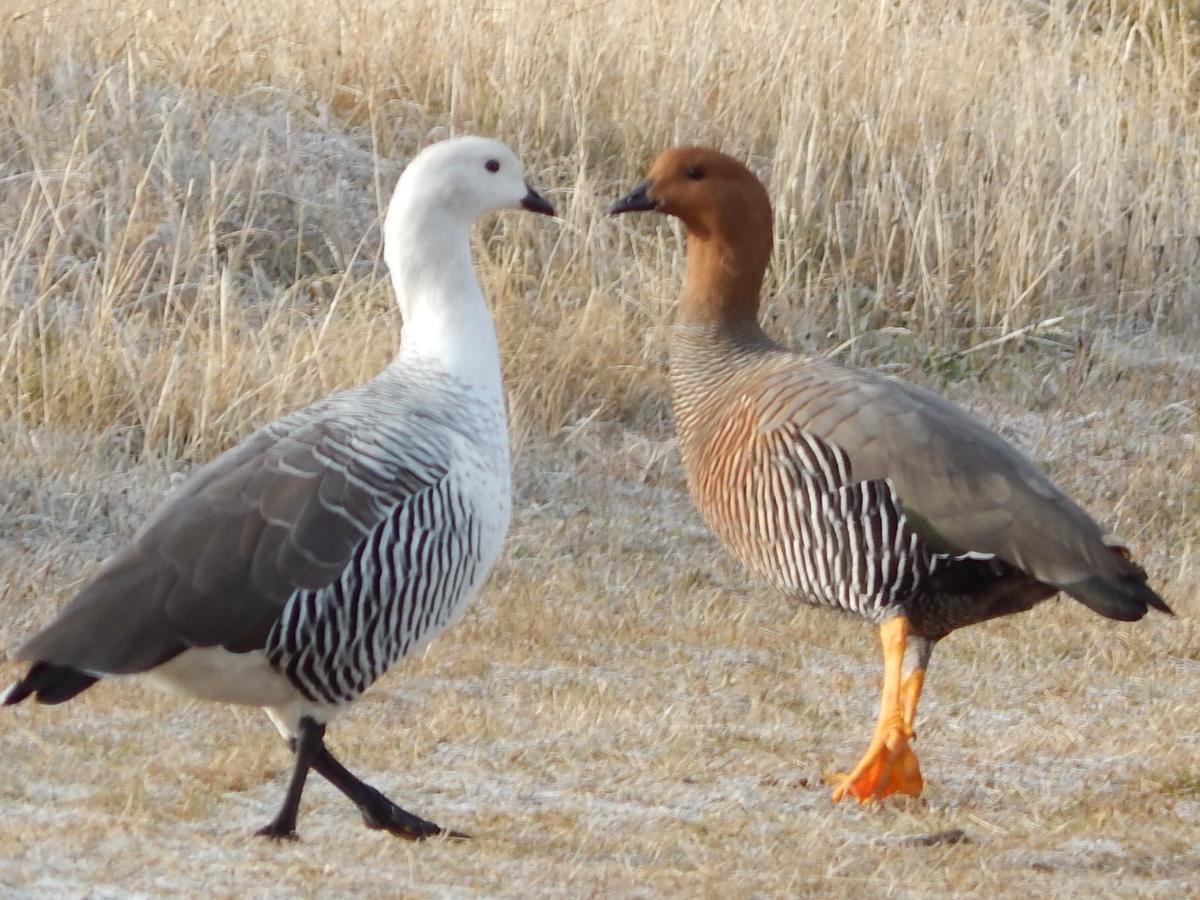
(293, 570)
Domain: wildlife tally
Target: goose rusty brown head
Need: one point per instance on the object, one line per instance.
(727, 213)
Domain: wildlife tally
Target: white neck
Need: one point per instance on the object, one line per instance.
(447, 325)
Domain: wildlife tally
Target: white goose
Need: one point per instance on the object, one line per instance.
(292, 570)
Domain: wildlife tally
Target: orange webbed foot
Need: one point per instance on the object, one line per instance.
(888, 767)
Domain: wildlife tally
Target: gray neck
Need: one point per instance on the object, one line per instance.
(705, 359)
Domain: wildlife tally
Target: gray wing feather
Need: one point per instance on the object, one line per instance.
(962, 487)
(217, 562)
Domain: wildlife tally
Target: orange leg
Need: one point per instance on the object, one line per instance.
(889, 766)
(910, 693)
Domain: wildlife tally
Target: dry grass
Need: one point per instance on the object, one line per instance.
(999, 199)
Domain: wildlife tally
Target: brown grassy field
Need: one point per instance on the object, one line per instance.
(998, 199)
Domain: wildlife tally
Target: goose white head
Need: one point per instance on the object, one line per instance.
(465, 178)
(426, 238)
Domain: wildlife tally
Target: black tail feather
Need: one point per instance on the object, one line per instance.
(51, 683)
(1125, 599)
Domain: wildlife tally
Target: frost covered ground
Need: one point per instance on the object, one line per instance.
(620, 714)
(999, 200)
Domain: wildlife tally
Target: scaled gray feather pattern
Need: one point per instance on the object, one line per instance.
(278, 514)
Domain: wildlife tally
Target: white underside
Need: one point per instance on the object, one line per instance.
(214, 673)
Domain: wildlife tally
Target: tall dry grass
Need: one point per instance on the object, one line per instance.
(190, 193)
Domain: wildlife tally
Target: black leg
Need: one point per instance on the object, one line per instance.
(306, 749)
(377, 810)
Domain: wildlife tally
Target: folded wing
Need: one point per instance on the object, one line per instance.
(962, 488)
(217, 562)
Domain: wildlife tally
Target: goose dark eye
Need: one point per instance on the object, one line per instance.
(492, 165)
(694, 172)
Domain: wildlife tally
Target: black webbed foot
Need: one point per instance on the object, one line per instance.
(378, 811)
(382, 814)
(278, 832)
